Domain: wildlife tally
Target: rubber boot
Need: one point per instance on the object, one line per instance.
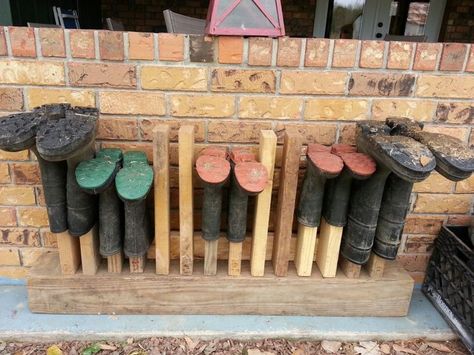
(321, 165)
(133, 183)
(357, 166)
(71, 138)
(249, 178)
(408, 159)
(96, 176)
(18, 132)
(213, 169)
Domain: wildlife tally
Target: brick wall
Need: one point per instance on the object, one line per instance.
(229, 89)
(458, 23)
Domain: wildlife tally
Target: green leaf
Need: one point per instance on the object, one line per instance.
(91, 350)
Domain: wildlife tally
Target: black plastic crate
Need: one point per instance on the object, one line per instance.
(449, 281)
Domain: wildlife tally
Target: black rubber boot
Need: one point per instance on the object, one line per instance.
(321, 165)
(213, 169)
(71, 138)
(408, 159)
(133, 183)
(248, 178)
(18, 132)
(97, 176)
(454, 160)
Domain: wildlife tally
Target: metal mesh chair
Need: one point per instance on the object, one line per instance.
(177, 23)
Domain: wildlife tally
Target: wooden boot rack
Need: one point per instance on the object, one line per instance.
(267, 283)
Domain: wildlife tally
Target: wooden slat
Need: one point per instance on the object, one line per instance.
(375, 266)
(90, 257)
(148, 293)
(186, 143)
(268, 141)
(69, 252)
(234, 264)
(305, 249)
(137, 264)
(162, 198)
(350, 269)
(115, 263)
(210, 256)
(327, 253)
(286, 202)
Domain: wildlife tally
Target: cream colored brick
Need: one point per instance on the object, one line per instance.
(7, 216)
(270, 107)
(30, 256)
(20, 236)
(335, 109)
(202, 106)
(445, 86)
(132, 103)
(434, 183)
(420, 110)
(173, 78)
(459, 112)
(31, 73)
(16, 195)
(21, 155)
(232, 80)
(9, 257)
(313, 82)
(456, 132)
(443, 203)
(466, 186)
(4, 173)
(33, 217)
(41, 96)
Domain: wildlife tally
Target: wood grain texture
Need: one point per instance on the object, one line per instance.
(51, 292)
(162, 198)
(305, 248)
(375, 266)
(186, 226)
(286, 202)
(327, 253)
(137, 264)
(69, 252)
(115, 263)
(90, 257)
(234, 262)
(266, 156)
(210, 256)
(350, 269)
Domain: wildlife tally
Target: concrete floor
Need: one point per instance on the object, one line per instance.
(18, 323)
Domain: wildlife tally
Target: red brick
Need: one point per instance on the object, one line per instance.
(102, 75)
(344, 53)
(347, 134)
(22, 40)
(322, 133)
(26, 173)
(201, 49)
(399, 55)
(7, 216)
(3, 43)
(52, 42)
(460, 220)
(289, 52)
(230, 50)
(426, 56)
(371, 54)
(171, 47)
(414, 262)
(20, 236)
(140, 46)
(260, 51)
(419, 243)
(11, 99)
(469, 66)
(82, 44)
(117, 128)
(111, 45)
(453, 56)
(317, 51)
(235, 131)
(415, 224)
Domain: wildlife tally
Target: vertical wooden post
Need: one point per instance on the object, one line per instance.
(267, 150)
(162, 198)
(375, 266)
(90, 256)
(329, 243)
(350, 269)
(305, 247)
(114, 263)
(69, 252)
(235, 259)
(186, 226)
(286, 202)
(210, 256)
(137, 264)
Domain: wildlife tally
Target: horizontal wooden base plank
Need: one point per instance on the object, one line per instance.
(148, 293)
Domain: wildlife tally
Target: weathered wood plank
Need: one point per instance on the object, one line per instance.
(350, 269)
(210, 256)
(266, 156)
(286, 202)
(69, 252)
(327, 253)
(305, 249)
(234, 264)
(375, 266)
(162, 198)
(115, 263)
(90, 257)
(186, 226)
(137, 264)
(105, 293)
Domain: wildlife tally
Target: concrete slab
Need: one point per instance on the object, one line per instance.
(18, 323)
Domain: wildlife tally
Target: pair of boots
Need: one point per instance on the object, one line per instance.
(404, 155)
(60, 136)
(249, 178)
(118, 178)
